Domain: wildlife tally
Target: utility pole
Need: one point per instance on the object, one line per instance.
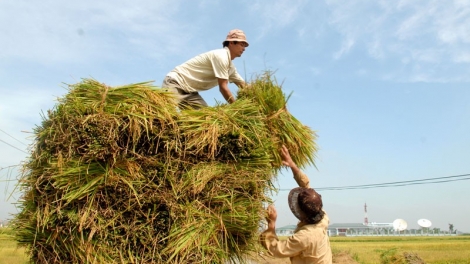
(366, 220)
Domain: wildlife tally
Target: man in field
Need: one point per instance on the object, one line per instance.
(310, 242)
(206, 71)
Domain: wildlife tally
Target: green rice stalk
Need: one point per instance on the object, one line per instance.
(284, 128)
(120, 175)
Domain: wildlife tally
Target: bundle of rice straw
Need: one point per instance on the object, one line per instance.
(120, 175)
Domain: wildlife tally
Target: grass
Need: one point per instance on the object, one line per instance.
(436, 250)
(9, 252)
(365, 250)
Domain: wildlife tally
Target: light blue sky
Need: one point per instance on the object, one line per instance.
(386, 84)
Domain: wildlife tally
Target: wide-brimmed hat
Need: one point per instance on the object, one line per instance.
(236, 35)
(312, 202)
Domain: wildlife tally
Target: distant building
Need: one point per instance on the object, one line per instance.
(345, 229)
(367, 229)
(339, 229)
(285, 230)
(358, 229)
(372, 229)
(3, 223)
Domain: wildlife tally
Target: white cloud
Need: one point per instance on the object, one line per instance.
(453, 24)
(431, 55)
(375, 49)
(421, 33)
(415, 23)
(50, 31)
(277, 14)
(345, 47)
(462, 57)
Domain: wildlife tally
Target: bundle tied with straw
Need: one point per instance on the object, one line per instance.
(120, 175)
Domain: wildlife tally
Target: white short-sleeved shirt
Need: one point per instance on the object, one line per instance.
(203, 71)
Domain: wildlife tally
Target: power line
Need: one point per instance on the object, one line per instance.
(404, 183)
(383, 186)
(13, 146)
(13, 137)
(396, 184)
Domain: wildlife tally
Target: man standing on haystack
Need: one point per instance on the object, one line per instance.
(206, 71)
(310, 242)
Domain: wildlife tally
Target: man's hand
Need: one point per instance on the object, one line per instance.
(271, 217)
(286, 158)
(272, 213)
(242, 85)
(287, 161)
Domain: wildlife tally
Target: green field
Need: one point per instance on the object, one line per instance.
(432, 249)
(9, 252)
(365, 250)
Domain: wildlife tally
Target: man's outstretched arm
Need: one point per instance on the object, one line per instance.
(299, 176)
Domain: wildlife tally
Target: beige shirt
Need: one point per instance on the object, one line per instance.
(203, 71)
(308, 244)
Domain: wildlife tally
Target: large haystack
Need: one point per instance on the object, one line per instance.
(119, 175)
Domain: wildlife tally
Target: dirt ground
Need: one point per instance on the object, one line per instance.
(343, 258)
